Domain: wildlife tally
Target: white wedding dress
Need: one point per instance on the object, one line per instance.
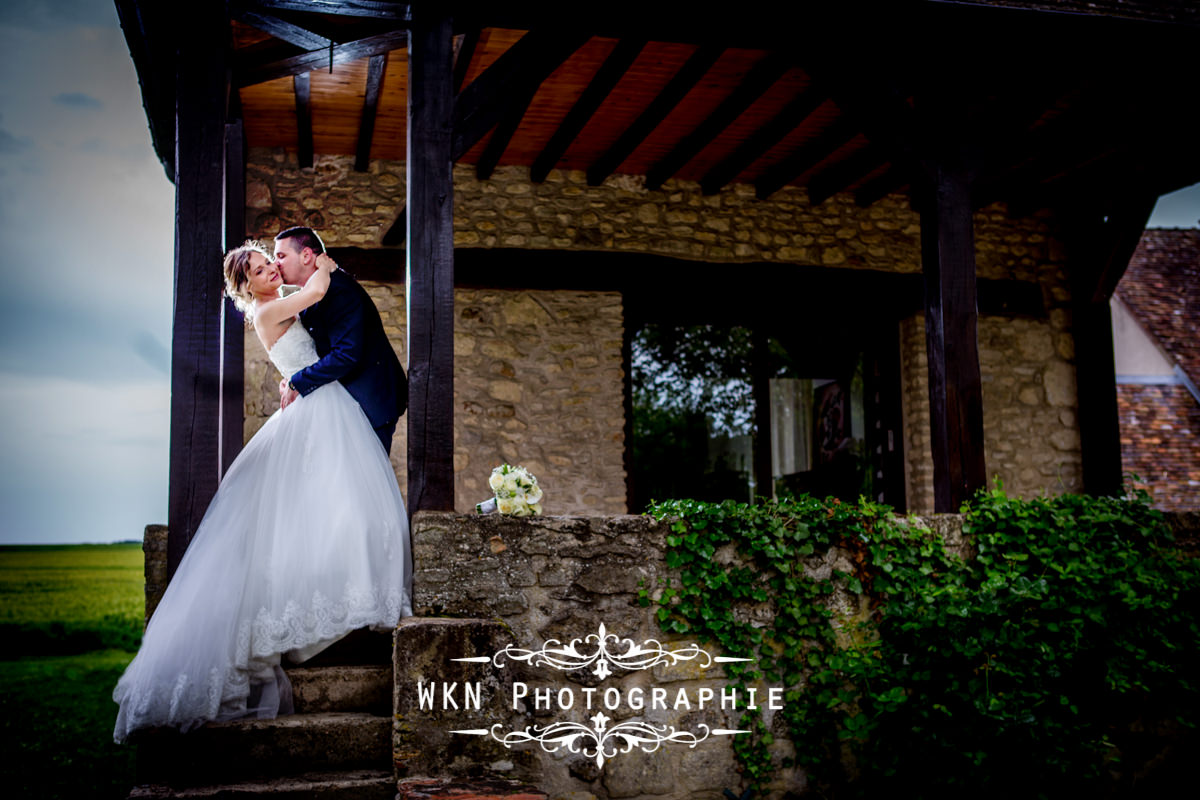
(305, 540)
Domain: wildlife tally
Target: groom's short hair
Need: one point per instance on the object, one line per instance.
(304, 237)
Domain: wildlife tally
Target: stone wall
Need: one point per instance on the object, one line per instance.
(1030, 427)
(537, 382)
(560, 579)
(1027, 364)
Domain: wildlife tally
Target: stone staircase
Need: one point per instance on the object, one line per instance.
(338, 744)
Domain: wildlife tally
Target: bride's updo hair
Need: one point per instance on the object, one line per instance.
(237, 273)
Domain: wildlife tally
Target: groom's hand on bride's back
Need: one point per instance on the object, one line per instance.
(287, 394)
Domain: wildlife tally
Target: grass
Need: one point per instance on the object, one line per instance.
(65, 599)
(71, 617)
(58, 718)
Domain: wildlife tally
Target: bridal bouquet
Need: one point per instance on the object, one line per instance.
(517, 493)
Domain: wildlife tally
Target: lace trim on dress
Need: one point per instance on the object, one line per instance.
(222, 693)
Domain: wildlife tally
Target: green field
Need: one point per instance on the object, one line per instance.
(71, 617)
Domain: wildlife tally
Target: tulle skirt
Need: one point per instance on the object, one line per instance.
(305, 540)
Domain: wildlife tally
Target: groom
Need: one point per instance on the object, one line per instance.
(349, 335)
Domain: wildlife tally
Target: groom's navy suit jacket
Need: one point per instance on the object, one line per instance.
(353, 349)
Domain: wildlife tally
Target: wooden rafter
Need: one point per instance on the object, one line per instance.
(676, 89)
(758, 80)
(302, 87)
(876, 189)
(255, 73)
(463, 55)
(374, 9)
(805, 157)
(601, 85)
(366, 126)
(501, 136)
(841, 175)
(281, 29)
(514, 75)
(761, 140)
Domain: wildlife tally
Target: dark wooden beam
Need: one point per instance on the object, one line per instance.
(250, 74)
(430, 270)
(876, 189)
(762, 140)
(758, 80)
(501, 136)
(676, 89)
(1102, 249)
(376, 67)
(841, 175)
(951, 334)
(805, 157)
(281, 29)
(598, 89)
(233, 328)
(201, 89)
(302, 88)
(374, 9)
(463, 56)
(760, 382)
(394, 237)
(515, 75)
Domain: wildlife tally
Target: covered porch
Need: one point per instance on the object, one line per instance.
(954, 123)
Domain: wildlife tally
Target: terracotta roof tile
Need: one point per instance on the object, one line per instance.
(1162, 289)
(1160, 443)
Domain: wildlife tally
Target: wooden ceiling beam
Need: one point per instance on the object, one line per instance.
(876, 189)
(807, 156)
(376, 68)
(761, 77)
(501, 136)
(598, 89)
(841, 175)
(463, 55)
(281, 29)
(302, 88)
(254, 73)
(761, 140)
(374, 9)
(514, 75)
(676, 89)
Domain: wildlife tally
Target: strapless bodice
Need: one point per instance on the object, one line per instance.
(293, 351)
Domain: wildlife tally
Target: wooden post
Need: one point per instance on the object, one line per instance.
(430, 267)
(760, 377)
(233, 327)
(201, 87)
(1103, 245)
(951, 334)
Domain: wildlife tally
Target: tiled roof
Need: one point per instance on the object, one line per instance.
(1160, 443)
(1162, 288)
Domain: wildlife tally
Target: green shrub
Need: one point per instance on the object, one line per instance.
(1062, 658)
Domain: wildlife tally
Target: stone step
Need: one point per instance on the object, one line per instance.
(466, 789)
(342, 688)
(355, 785)
(249, 749)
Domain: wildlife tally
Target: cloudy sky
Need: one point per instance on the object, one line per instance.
(86, 228)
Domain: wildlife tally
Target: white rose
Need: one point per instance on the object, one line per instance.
(496, 481)
(510, 484)
(505, 505)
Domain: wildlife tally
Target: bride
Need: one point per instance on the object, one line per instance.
(305, 540)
